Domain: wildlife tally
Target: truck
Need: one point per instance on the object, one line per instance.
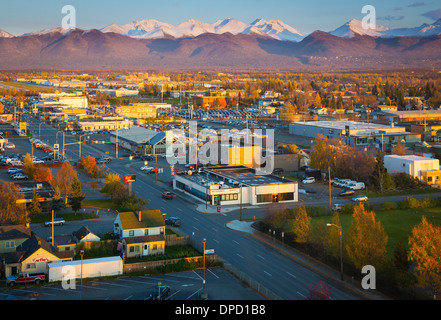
(24, 277)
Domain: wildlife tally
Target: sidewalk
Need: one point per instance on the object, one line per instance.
(332, 275)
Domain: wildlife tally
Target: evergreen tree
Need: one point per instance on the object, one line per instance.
(35, 207)
(57, 200)
(379, 173)
(76, 195)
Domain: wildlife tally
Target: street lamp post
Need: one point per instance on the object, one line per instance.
(341, 247)
(81, 254)
(204, 294)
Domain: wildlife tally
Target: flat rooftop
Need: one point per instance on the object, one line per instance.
(232, 177)
(246, 175)
(341, 125)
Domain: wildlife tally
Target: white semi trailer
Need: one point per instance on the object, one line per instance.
(91, 268)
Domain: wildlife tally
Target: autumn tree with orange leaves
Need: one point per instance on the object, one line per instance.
(425, 252)
(366, 241)
(44, 174)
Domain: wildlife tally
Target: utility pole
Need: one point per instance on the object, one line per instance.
(53, 236)
(329, 182)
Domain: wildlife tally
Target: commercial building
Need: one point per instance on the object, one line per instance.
(236, 185)
(356, 134)
(424, 169)
(142, 140)
(103, 125)
(413, 115)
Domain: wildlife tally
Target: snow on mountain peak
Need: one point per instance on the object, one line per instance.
(149, 29)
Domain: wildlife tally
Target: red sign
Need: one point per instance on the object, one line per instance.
(129, 178)
(156, 170)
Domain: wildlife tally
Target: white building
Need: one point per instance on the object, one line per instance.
(236, 185)
(412, 165)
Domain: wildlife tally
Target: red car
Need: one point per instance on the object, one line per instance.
(167, 195)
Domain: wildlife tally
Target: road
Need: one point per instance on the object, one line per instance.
(287, 278)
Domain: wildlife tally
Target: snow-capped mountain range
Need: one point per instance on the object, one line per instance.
(355, 27)
(153, 29)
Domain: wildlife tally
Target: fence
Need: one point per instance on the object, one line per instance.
(252, 283)
(152, 265)
(174, 240)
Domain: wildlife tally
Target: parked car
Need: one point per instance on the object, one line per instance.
(167, 195)
(360, 199)
(159, 293)
(20, 177)
(173, 221)
(309, 180)
(337, 207)
(341, 183)
(57, 222)
(147, 158)
(24, 277)
(346, 193)
(10, 145)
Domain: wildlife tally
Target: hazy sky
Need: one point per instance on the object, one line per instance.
(19, 16)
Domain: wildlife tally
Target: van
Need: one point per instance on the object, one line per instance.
(357, 186)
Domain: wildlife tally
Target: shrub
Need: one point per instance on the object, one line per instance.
(388, 206)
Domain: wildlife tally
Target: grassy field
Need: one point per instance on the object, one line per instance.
(398, 224)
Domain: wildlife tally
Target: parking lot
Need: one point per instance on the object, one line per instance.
(220, 285)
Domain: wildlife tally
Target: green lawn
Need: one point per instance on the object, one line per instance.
(398, 224)
(101, 203)
(66, 216)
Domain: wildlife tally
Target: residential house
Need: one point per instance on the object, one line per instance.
(32, 256)
(13, 236)
(142, 234)
(85, 235)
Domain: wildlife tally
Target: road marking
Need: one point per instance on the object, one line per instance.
(301, 294)
(112, 284)
(172, 295)
(261, 257)
(161, 279)
(236, 242)
(215, 230)
(180, 210)
(128, 298)
(137, 282)
(196, 218)
(95, 287)
(193, 294)
(291, 275)
(212, 273)
(197, 275)
(239, 255)
(268, 273)
(215, 241)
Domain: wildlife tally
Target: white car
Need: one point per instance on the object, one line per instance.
(360, 199)
(9, 145)
(37, 161)
(148, 169)
(309, 180)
